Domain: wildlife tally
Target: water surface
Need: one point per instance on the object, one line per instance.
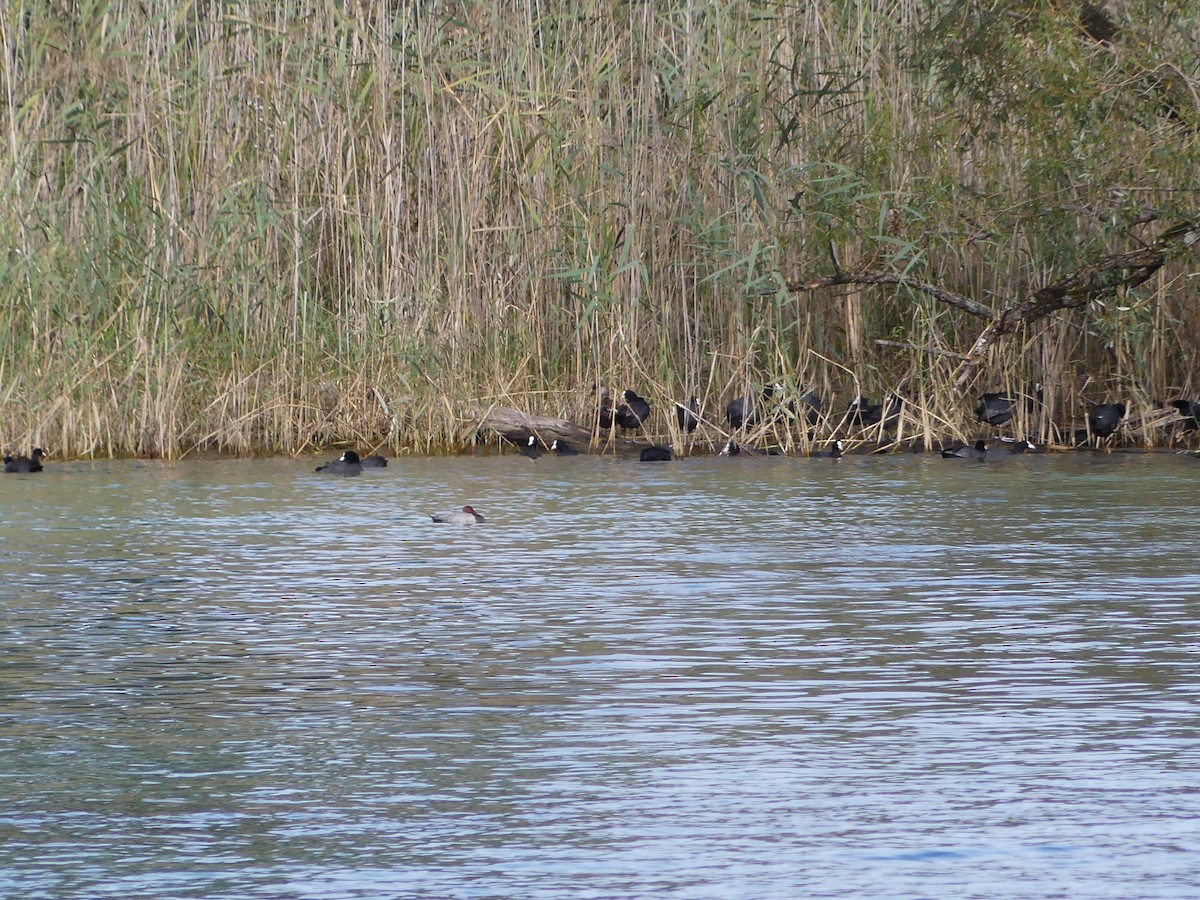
(890, 677)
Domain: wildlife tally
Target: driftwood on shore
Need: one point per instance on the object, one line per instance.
(516, 426)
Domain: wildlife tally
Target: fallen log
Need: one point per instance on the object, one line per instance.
(516, 426)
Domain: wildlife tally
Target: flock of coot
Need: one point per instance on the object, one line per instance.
(745, 412)
(994, 409)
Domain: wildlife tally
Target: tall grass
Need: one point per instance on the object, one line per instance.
(264, 227)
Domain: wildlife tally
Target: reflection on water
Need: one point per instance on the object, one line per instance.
(901, 677)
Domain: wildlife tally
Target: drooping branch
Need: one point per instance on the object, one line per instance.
(1077, 289)
(931, 351)
(871, 276)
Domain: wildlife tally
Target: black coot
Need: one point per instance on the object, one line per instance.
(632, 412)
(22, 463)
(962, 451)
(1104, 419)
(347, 464)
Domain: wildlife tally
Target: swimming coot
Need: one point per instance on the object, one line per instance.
(656, 454)
(562, 448)
(836, 452)
(632, 412)
(1021, 446)
(468, 516)
(962, 451)
(22, 463)
(347, 464)
(733, 448)
(374, 461)
(1104, 419)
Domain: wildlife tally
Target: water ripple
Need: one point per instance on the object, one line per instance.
(769, 678)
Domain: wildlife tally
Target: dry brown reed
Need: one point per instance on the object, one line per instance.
(267, 227)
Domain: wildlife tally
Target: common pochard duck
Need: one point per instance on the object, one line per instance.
(468, 516)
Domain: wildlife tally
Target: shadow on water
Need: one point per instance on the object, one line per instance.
(901, 677)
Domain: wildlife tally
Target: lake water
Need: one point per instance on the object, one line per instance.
(900, 677)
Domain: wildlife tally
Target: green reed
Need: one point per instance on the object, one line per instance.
(267, 227)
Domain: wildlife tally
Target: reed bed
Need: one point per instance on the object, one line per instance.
(268, 227)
